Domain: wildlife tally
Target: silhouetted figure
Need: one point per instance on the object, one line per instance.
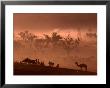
(38, 62)
(57, 65)
(32, 61)
(81, 65)
(42, 63)
(51, 64)
(20, 62)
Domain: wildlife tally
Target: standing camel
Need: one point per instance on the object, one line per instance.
(81, 66)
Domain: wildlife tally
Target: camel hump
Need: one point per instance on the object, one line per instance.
(84, 65)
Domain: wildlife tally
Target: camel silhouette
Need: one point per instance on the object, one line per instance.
(81, 66)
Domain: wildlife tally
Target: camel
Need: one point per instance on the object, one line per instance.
(81, 66)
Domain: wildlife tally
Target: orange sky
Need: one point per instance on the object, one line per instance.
(63, 23)
(47, 22)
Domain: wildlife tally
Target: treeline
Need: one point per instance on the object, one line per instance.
(54, 40)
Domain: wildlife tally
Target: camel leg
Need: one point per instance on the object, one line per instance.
(86, 68)
(81, 68)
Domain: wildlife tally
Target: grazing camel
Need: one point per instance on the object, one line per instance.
(81, 66)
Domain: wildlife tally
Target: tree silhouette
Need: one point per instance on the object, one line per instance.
(47, 40)
(68, 44)
(22, 35)
(91, 35)
(55, 38)
(27, 37)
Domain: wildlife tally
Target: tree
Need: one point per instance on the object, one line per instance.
(22, 35)
(55, 38)
(27, 37)
(47, 40)
(69, 44)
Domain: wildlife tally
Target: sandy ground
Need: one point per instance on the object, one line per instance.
(86, 53)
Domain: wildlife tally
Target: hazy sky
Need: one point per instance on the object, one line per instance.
(38, 22)
(44, 23)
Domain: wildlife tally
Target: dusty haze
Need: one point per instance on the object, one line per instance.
(77, 25)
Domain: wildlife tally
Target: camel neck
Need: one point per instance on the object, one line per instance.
(77, 64)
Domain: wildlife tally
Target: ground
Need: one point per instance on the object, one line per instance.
(33, 69)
